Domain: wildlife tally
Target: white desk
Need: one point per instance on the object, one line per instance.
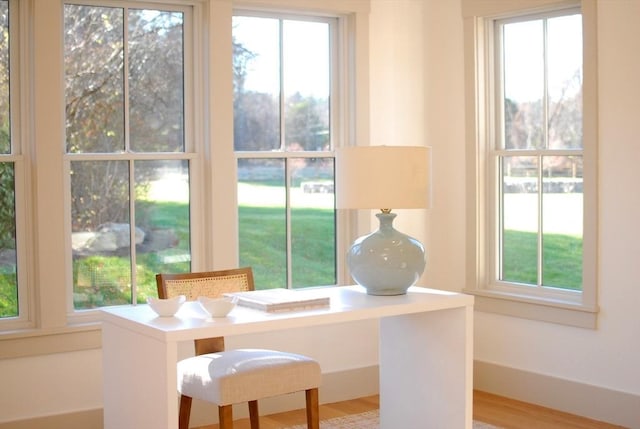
(425, 355)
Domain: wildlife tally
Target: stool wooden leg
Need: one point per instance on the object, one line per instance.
(185, 411)
(225, 416)
(313, 411)
(254, 416)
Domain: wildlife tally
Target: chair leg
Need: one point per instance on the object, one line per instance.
(313, 411)
(185, 411)
(225, 416)
(254, 416)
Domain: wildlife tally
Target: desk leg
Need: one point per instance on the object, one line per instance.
(139, 380)
(426, 365)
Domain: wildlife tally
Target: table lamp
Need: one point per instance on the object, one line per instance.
(385, 262)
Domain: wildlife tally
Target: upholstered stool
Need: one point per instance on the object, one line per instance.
(246, 375)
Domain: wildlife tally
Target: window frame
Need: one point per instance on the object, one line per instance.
(191, 153)
(546, 304)
(19, 94)
(337, 136)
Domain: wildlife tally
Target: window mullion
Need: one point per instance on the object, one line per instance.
(125, 77)
(540, 221)
(127, 149)
(132, 232)
(281, 77)
(545, 140)
(545, 93)
(287, 169)
(288, 232)
(499, 235)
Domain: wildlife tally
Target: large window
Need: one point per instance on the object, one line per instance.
(283, 140)
(537, 151)
(534, 165)
(128, 148)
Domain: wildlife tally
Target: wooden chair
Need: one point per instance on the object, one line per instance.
(243, 375)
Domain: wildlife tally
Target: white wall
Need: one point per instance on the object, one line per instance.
(607, 357)
(396, 107)
(444, 130)
(51, 384)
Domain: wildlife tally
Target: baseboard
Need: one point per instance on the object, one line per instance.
(594, 402)
(89, 419)
(336, 387)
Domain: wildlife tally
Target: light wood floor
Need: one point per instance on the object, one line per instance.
(511, 414)
(488, 408)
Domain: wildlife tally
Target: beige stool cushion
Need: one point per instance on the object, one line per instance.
(243, 375)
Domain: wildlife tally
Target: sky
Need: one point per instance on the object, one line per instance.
(306, 50)
(524, 60)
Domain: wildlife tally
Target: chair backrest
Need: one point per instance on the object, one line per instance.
(212, 284)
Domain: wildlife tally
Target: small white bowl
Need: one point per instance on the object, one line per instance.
(218, 307)
(166, 307)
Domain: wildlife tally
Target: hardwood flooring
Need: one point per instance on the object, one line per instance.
(496, 410)
(511, 414)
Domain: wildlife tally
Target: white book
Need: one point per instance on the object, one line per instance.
(281, 299)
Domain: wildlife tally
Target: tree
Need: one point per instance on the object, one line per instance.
(98, 120)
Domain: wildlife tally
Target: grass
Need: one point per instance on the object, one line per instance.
(106, 280)
(263, 246)
(562, 259)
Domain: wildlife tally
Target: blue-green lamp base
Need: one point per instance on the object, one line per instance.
(386, 262)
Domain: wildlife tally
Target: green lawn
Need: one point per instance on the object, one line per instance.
(263, 246)
(562, 259)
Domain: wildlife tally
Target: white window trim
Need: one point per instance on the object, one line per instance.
(566, 307)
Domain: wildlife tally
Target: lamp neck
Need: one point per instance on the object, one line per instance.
(386, 220)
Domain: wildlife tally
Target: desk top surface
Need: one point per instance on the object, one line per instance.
(347, 303)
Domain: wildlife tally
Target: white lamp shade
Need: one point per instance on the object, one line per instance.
(383, 177)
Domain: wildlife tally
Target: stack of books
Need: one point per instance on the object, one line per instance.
(281, 299)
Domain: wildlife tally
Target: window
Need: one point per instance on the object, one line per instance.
(129, 147)
(535, 168)
(284, 136)
(538, 152)
(13, 285)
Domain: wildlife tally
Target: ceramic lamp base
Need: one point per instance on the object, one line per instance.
(386, 262)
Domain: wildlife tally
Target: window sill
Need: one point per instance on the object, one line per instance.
(508, 304)
(36, 342)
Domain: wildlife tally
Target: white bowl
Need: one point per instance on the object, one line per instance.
(166, 307)
(218, 307)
